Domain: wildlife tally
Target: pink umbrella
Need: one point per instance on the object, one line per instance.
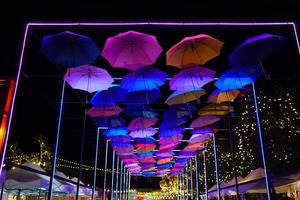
(164, 154)
(203, 121)
(194, 147)
(131, 50)
(123, 149)
(147, 160)
(199, 138)
(143, 133)
(140, 145)
(104, 111)
(141, 123)
(88, 78)
(171, 139)
(168, 146)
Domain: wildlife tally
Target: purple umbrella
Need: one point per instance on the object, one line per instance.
(198, 138)
(170, 132)
(142, 123)
(171, 139)
(142, 97)
(88, 78)
(131, 50)
(111, 96)
(203, 121)
(192, 78)
(165, 154)
(120, 138)
(143, 133)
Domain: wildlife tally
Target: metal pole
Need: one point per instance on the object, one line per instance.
(180, 185)
(121, 177)
(262, 148)
(187, 180)
(117, 177)
(2, 189)
(95, 165)
(123, 189)
(205, 173)
(191, 174)
(105, 169)
(53, 168)
(197, 178)
(112, 176)
(216, 167)
(129, 186)
(126, 186)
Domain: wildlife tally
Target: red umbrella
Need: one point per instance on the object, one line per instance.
(104, 111)
(141, 123)
(203, 121)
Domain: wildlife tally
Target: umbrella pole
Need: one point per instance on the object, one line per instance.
(124, 177)
(117, 177)
(105, 169)
(112, 176)
(2, 190)
(216, 167)
(95, 165)
(126, 184)
(196, 177)
(53, 168)
(187, 180)
(129, 191)
(180, 186)
(205, 172)
(191, 174)
(262, 148)
(121, 177)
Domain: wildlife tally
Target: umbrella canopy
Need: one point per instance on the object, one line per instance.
(178, 111)
(144, 79)
(194, 147)
(131, 50)
(69, 49)
(143, 145)
(164, 160)
(142, 97)
(109, 97)
(170, 132)
(109, 121)
(142, 133)
(123, 149)
(196, 49)
(116, 131)
(145, 149)
(88, 78)
(150, 153)
(142, 123)
(164, 154)
(171, 139)
(182, 97)
(122, 144)
(216, 109)
(140, 111)
(146, 140)
(120, 139)
(256, 49)
(104, 111)
(203, 121)
(164, 147)
(238, 77)
(219, 96)
(164, 166)
(206, 130)
(172, 123)
(186, 154)
(195, 138)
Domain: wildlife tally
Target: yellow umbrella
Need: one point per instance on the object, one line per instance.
(216, 109)
(182, 97)
(219, 96)
(193, 50)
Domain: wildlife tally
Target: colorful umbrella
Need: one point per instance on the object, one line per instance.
(150, 153)
(196, 49)
(88, 78)
(116, 131)
(164, 160)
(142, 97)
(122, 144)
(170, 132)
(178, 111)
(219, 96)
(131, 50)
(142, 133)
(142, 123)
(146, 140)
(186, 154)
(182, 97)
(104, 111)
(147, 160)
(109, 97)
(238, 77)
(203, 131)
(168, 147)
(195, 138)
(120, 138)
(164, 154)
(145, 149)
(140, 111)
(203, 121)
(172, 123)
(164, 166)
(192, 78)
(143, 145)
(194, 147)
(144, 79)
(171, 139)
(123, 149)
(109, 121)
(216, 109)
(69, 49)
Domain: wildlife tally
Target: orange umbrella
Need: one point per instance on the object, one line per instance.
(193, 147)
(144, 149)
(219, 96)
(164, 160)
(216, 109)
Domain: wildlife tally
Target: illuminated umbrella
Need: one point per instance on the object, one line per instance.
(182, 97)
(216, 109)
(238, 77)
(170, 132)
(194, 147)
(140, 111)
(164, 166)
(150, 153)
(147, 160)
(196, 49)
(144, 79)
(142, 123)
(192, 78)
(172, 139)
(104, 111)
(145, 149)
(69, 49)
(206, 130)
(109, 121)
(164, 160)
(109, 97)
(168, 146)
(195, 138)
(149, 174)
(146, 140)
(147, 165)
(172, 123)
(187, 154)
(122, 144)
(164, 154)
(129, 160)
(143, 145)
(219, 96)
(142, 97)
(120, 138)
(203, 121)
(178, 111)
(143, 133)
(123, 149)
(116, 131)
(88, 78)
(131, 50)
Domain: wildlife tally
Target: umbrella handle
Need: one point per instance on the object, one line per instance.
(267, 75)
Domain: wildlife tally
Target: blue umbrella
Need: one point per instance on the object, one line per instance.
(142, 97)
(164, 166)
(170, 132)
(110, 121)
(140, 155)
(69, 49)
(122, 144)
(120, 138)
(111, 96)
(172, 123)
(140, 111)
(179, 110)
(146, 140)
(115, 131)
(144, 79)
(238, 77)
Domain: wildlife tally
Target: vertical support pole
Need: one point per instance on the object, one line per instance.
(216, 168)
(95, 164)
(124, 177)
(2, 189)
(126, 185)
(112, 176)
(53, 168)
(261, 141)
(121, 177)
(117, 177)
(205, 172)
(187, 180)
(105, 170)
(191, 174)
(197, 177)
(180, 185)
(129, 197)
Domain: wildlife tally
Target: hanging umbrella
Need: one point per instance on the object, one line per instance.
(116, 131)
(144, 79)
(169, 146)
(216, 109)
(150, 153)
(123, 149)
(120, 138)
(147, 165)
(238, 77)
(146, 140)
(192, 78)
(172, 123)
(109, 121)
(144, 149)
(104, 111)
(203, 121)
(140, 111)
(164, 154)
(69, 49)
(179, 110)
(196, 49)
(195, 138)
(109, 97)
(122, 144)
(143, 145)
(219, 96)
(147, 160)
(164, 160)
(142, 97)
(171, 139)
(206, 130)
(194, 147)
(164, 166)
(142, 133)
(142, 123)
(131, 50)
(182, 97)
(170, 132)
(186, 154)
